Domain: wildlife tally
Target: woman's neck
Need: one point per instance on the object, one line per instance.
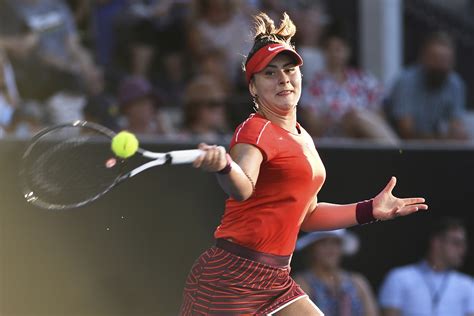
(286, 121)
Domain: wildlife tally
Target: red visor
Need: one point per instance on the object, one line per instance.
(265, 54)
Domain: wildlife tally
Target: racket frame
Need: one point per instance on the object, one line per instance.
(156, 159)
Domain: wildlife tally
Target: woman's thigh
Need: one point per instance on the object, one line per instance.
(302, 306)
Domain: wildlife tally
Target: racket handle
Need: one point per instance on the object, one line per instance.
(184, 156)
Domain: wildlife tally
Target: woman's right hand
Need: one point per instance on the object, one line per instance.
(213, 160)
(239, 182)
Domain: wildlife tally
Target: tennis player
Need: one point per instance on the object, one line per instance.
(272, 176)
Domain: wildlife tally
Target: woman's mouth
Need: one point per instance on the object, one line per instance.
(284, 93)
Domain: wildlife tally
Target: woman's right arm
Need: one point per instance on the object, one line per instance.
(240, 182)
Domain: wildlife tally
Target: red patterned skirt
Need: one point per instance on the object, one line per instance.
(229, 279)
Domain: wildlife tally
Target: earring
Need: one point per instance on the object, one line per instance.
(255, 103)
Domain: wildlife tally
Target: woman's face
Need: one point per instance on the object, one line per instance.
(278, 86)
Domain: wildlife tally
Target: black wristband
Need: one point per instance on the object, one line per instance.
(365, 212)
(228, 166)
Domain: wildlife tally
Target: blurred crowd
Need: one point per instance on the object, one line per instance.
(431, 286)
(174, 68)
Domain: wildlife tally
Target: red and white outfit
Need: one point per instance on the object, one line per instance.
(247, 272)
(327, 97)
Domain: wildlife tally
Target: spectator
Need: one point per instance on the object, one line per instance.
(312, 18)
(66, 105)
(159, 24)
(141, 38)
(173, 81)
(104, 19)
(432, 286)
(212, 64)
(219, 26)
(81, 11)
(100, 107)
(335, 291)
(102, 111)
(41, 39)
(28, 119)
(138, 103)
(205, 110)
(142, 50)
(428, 99)
(344, 102)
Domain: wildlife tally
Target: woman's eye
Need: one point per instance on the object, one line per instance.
(290, 70)
(269, 73)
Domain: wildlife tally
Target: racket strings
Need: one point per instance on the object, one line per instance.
(68, 167)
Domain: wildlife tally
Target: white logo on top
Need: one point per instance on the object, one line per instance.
(271, 49)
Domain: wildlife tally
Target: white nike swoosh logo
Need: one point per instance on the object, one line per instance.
(271, 49)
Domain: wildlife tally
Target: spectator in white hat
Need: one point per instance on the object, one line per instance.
(335, 291)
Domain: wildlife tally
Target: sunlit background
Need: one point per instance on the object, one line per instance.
(388, 89)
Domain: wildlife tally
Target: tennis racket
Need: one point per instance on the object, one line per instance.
(70, 165)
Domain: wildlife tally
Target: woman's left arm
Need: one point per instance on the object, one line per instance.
(385, 206)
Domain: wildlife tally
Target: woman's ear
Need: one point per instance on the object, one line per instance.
(252, 89)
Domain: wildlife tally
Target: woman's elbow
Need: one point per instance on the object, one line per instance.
(241, 196)
(305, 227)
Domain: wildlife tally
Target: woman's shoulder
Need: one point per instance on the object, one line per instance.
(252, 129)
(253, 122)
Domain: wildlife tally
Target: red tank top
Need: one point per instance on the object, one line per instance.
(291, 175)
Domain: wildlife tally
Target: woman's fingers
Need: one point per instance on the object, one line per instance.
(409, 209)
(213, 160)
(203, 146)
(209, 157)
(199, 161)
(390, 185)
(409, 201)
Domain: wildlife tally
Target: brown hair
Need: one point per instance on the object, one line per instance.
(440, 37)
(442, 225)
(267, 33)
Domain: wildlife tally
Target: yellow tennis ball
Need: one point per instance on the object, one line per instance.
(124, 144)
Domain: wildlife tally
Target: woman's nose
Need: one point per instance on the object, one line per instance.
(283, 78)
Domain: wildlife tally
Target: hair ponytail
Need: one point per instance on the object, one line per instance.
(266, 31)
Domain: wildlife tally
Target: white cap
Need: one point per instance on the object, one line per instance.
(350, 242)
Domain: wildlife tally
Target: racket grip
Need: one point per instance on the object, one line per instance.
(184, 156)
